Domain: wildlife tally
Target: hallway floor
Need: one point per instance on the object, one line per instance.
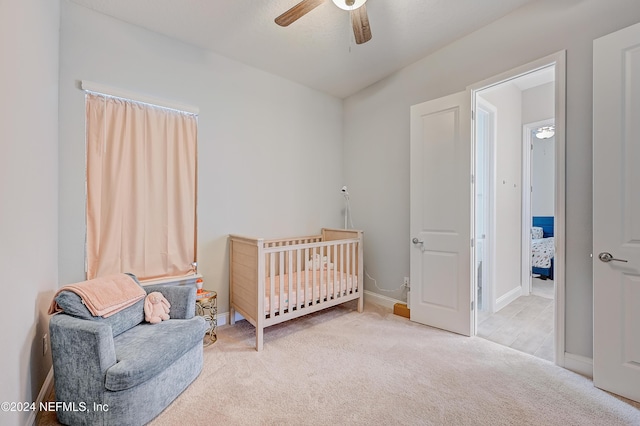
(526, 324)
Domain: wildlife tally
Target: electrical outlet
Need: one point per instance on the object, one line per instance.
(406, 282)
(45, 344)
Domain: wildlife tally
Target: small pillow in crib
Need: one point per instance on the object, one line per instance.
(536, 232)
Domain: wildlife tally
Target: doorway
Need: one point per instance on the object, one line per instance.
(515, 212)
(444, 264)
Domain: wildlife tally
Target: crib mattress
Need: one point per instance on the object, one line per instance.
(312, 291)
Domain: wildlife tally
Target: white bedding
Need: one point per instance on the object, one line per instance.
(542, 251)
(323, 282)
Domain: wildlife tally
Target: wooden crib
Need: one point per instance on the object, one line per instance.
(272, 281)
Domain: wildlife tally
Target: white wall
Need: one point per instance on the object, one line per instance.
(377, 135)
(29, 191)
(538, 105)
(507, 99)
(269, 150)
(542, 177)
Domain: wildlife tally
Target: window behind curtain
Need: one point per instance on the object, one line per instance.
(141, 189)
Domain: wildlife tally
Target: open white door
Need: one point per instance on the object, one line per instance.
(616, 212)
(440, 213)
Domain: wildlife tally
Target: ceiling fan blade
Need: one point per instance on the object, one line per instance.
(297, 12)
(360, 23)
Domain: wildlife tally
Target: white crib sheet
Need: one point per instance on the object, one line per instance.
(344, 284)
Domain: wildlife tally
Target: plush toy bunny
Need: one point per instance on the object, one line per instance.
(156, 308)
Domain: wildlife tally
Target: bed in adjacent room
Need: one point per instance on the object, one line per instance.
(542, 247)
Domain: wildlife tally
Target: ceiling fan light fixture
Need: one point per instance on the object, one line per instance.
(545, 132)
(356, 8)
(349, 4)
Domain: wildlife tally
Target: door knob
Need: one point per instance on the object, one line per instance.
(417, 241)
(607, 257)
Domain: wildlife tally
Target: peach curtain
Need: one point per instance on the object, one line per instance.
(141, 189)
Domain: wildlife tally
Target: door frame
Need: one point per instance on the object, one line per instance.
(558, 60)
(488, 301)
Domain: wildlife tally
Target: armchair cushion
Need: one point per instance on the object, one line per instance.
(137, 358)
(181, 298)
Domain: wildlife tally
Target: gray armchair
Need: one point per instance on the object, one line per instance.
(121, 370)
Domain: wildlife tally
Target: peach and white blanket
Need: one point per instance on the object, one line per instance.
(104, 296)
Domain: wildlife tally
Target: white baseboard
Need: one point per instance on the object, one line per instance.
(381, 300)
(45, 390)
(378, 299)
(223, 318)
(579, 364)
(509, 297)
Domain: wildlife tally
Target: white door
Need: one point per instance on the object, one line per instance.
(616, 212)
(440, 213)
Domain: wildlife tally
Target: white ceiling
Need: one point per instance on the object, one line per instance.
(318, 50)
(534, 79)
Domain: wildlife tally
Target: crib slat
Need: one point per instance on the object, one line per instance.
(305, 291)
(338, 265)
(272, 286)
(314, 277)
(331, 285)
(336, 283)
(325, 274)
(324, 286)
(281, 281)
(339, 270)
(354, 272)
(349, 259)
(298, 279)
(340, 275)
(290, 281)
(343, 277)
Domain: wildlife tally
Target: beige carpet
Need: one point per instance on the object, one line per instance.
(341, 367)
(344, 368)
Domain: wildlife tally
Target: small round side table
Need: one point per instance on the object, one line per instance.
(207, 307)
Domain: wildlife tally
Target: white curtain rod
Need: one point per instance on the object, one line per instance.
(90, 86)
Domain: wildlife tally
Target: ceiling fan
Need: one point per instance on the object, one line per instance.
(357, 8)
